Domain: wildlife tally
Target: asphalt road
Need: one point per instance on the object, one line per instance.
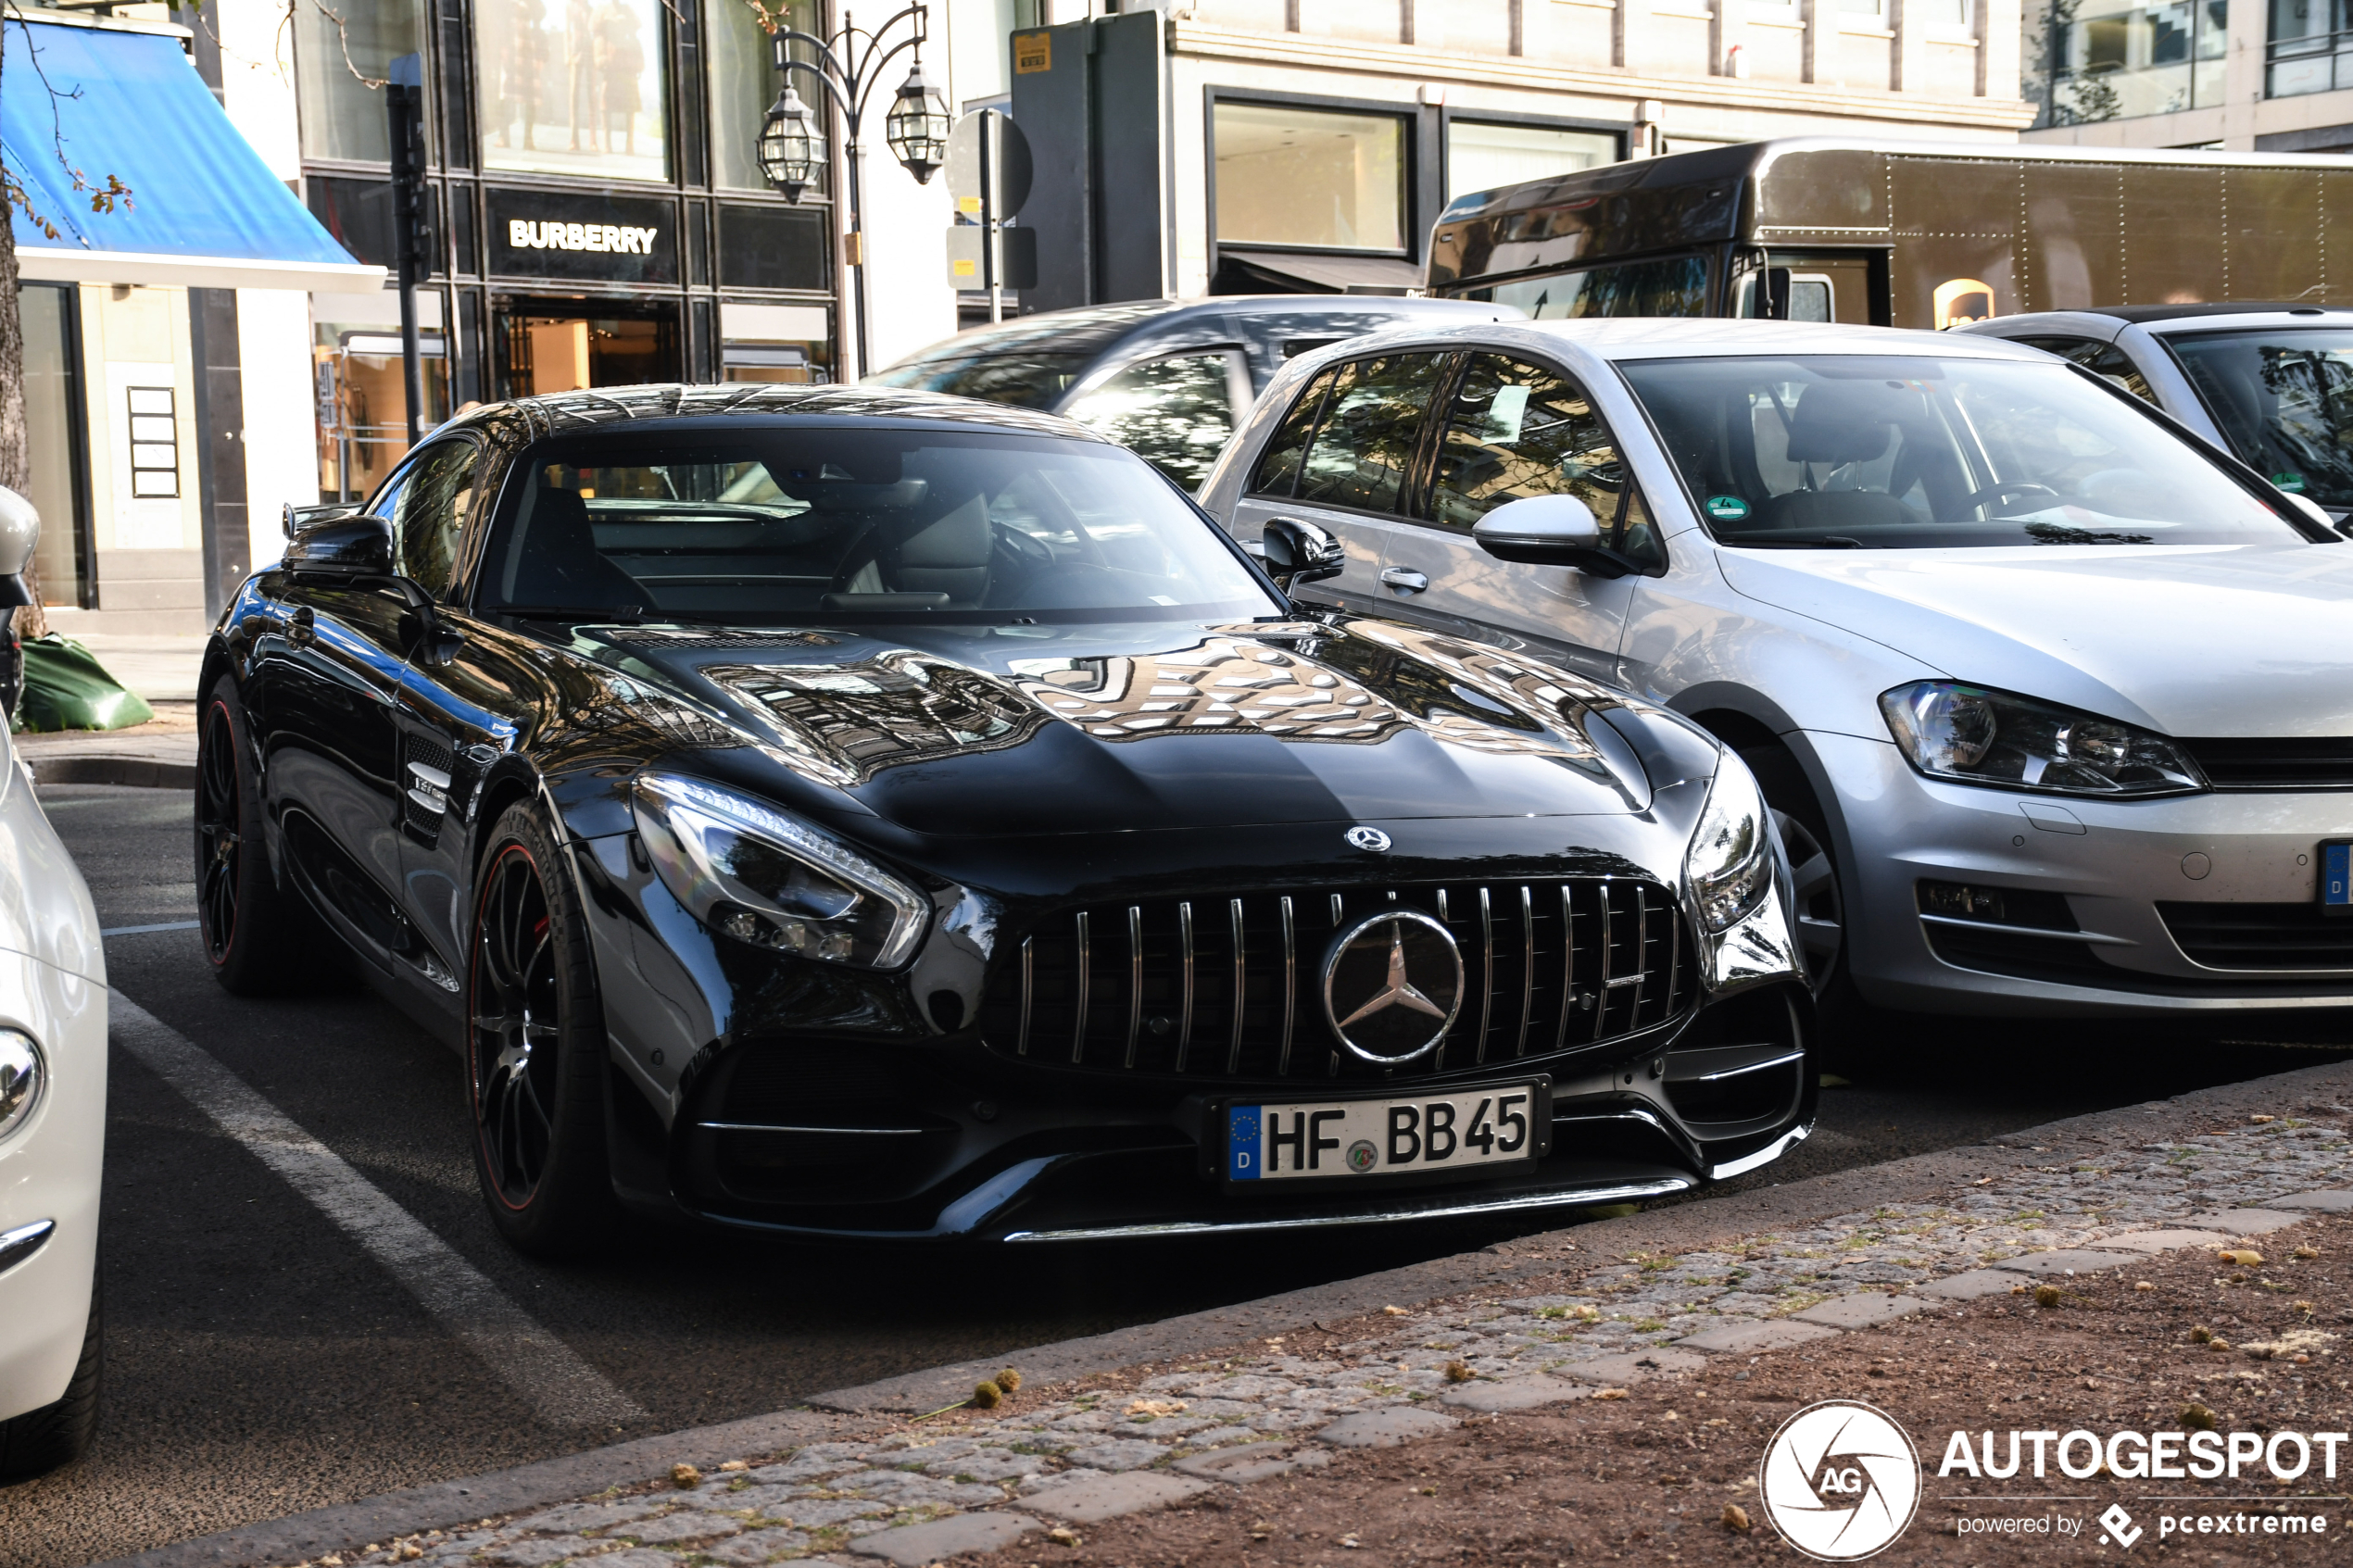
(260, 1362)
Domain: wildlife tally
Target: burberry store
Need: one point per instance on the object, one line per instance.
(598, 214)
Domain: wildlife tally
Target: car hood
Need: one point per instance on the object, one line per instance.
(986, 730)
(2206, 641)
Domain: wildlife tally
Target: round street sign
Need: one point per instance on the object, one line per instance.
(1010, 187)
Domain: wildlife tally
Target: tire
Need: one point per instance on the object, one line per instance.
(1846, 1021)
(39, 1441)
(538, 1089)
(254, 931)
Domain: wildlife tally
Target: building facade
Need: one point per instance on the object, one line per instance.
(598, 215)
(2260, 76)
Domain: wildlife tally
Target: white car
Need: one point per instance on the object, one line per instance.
(53, 1116)
(2270, 385)
(2054, 704)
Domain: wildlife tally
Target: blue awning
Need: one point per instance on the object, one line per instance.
(204, 210)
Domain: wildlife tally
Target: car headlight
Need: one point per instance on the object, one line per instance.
(22, 1071)
(1971, 735)
(749, 871)
(1729, 863)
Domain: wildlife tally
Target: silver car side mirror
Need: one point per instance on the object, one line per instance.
(19, 533)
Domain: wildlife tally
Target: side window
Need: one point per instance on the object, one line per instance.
(1279, 465)
(1365, 444)
(1516, 429)
(2101, 360)
(1174, 413)
(428, 504)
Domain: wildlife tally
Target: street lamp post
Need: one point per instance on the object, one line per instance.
(792, 145)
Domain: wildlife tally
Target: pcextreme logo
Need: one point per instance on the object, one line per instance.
(1840, 1481)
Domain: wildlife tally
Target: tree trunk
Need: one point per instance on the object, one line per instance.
(16, 454)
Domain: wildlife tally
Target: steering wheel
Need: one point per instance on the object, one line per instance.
(1994, 493)
(1026, 545)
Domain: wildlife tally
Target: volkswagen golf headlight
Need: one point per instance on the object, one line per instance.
(749, 871)
(1729, 863)
(22, 1071)
(1971, 735)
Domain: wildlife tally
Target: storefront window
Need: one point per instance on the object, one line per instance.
(787, 343)
(574, 87)
(2137, 60)
(339, 50)
(1487, 158)
(743, 82)
(1309, 177)
(362, 393)
(52, 405)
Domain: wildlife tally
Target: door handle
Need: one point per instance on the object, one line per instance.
(301, 627)
(1404, 581)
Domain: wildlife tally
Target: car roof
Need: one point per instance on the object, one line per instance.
(1656, 337)
(2149, 315)
(669, 406)
(1092, 329)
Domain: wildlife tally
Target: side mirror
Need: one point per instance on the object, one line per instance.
(293, 520)
(343, 546)
(1548, 531)
(1299, 552)
(20, 531)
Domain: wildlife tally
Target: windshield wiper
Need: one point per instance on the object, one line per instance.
(1803, 542)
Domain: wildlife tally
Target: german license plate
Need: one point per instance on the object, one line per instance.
(2336, 877)
(1494, 1126)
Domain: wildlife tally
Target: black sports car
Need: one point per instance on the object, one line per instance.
(870, 813)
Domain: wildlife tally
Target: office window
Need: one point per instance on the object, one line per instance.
(2128, 60)
(2311, 47)
(738, 58)
(1487, 158)
(1309, 177)
(343, 116)
(573, 87)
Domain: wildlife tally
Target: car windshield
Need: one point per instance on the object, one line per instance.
(1865, 451)
(827, 523)
(2284, 399)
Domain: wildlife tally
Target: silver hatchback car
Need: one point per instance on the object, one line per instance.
(2053, 705)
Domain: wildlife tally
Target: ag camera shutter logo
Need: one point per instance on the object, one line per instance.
(1840, 1481)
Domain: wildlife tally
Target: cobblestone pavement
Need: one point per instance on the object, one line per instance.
(967, 1481)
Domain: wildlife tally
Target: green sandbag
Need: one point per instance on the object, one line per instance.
(65, 688)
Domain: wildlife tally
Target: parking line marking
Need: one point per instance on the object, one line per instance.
(561, 1387)
(143, 930)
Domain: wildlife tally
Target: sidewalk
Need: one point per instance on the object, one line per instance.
(161, 754)
(1605, 1391)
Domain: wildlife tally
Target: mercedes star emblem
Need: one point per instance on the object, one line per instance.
(1393, 984)
(1371, 840)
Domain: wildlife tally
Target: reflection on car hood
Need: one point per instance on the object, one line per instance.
(2239, 640)
(973, 731)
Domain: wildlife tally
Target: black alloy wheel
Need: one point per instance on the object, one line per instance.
(219, 832)
(515, 1010)
(535, 1053)
(253, 935)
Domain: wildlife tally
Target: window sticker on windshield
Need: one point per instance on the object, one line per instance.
(2291, 482)
(1505, 414)
(1726, 509)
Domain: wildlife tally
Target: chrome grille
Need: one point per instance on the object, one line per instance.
(1151, 986)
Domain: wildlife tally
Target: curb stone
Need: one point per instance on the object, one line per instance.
(137, 772)
(1688, 1227)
